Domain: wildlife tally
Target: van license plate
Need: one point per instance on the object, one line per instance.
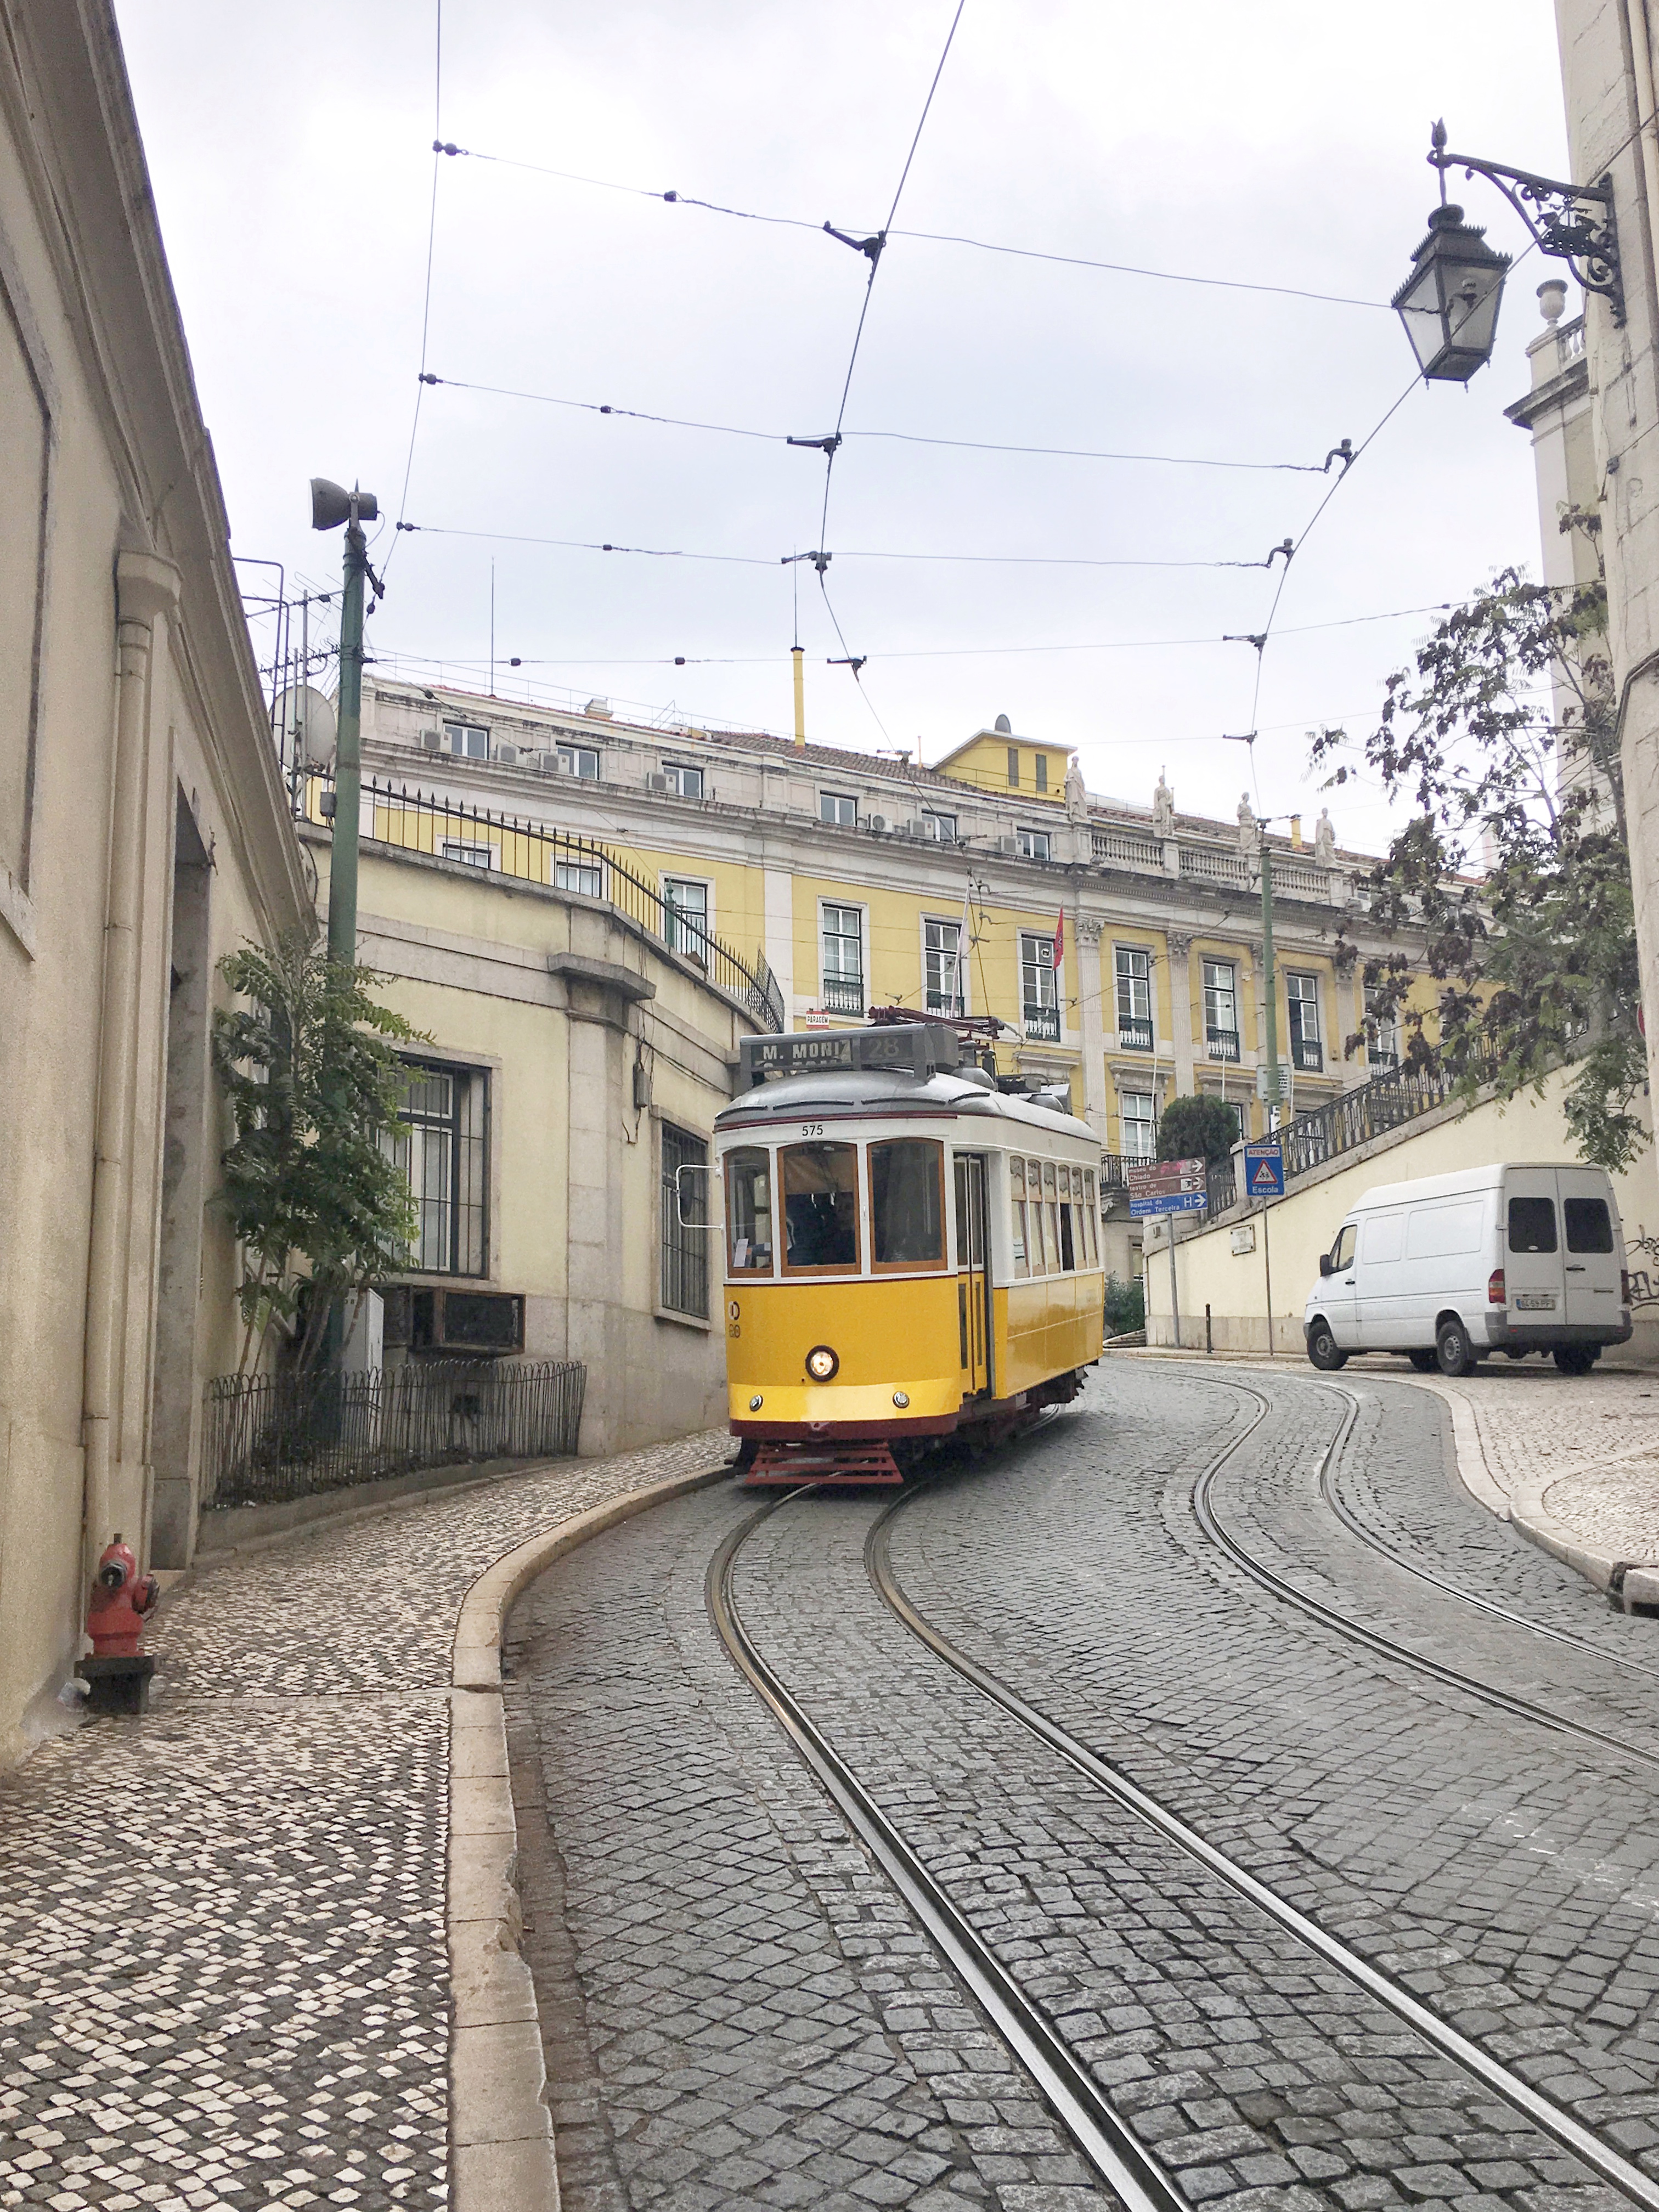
(1536, 1301)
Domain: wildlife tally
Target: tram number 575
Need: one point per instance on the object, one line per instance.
(811, 1128)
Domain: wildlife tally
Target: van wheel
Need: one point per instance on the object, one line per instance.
(1424, 1362)
(1574, 1358)
(1453, 1351)
(1323, 1349)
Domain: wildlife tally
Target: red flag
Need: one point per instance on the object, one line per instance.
(1059, 937)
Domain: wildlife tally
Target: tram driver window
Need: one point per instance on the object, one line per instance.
(1016, 1188)
(820, 1206)
(749, 1212)
(907, 1213)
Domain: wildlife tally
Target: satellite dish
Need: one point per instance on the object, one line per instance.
(303, 720)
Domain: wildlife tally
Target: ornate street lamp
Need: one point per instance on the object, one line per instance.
(1449, 302)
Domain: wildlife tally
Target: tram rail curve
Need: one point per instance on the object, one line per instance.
(1102, 2134)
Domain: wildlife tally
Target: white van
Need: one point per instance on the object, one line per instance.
(1518, 1258)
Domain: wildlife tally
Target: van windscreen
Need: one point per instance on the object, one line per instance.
(1531, 1224)
(1589, 1228)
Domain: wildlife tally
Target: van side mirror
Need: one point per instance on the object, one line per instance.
(1325, 1263)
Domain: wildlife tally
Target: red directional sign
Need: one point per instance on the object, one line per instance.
(1165, 1186)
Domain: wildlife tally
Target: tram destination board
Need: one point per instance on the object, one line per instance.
(1158, 1187)
(908, 1048)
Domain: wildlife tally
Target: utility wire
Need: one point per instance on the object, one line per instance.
(905, 437)
(929, 237)
(425, 299)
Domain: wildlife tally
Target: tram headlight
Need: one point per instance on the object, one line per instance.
(821, 1363)
(755, 1403)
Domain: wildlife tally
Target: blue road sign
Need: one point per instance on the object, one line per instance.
(1264, 1169)
(1158, 1187)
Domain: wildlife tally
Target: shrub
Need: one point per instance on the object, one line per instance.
(1125, 1307)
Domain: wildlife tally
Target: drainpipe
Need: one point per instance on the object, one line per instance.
(147, 586)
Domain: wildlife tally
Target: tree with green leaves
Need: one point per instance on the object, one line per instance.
(1199, 1128)
(1510, 885)
(316, 1091)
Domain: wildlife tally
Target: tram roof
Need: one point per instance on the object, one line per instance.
(876, 1092)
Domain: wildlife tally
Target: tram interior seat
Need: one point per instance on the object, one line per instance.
(820, 1229)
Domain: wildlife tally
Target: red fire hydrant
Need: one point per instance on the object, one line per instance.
(117, 1673)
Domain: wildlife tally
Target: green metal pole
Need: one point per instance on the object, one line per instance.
(347, 759)
(1270, 981)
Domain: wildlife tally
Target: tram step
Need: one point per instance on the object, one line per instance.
(784, 1465)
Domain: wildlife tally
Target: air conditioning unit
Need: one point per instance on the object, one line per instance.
(508, 756)
(913, 828)
(547, 762)
(431, 741)
(656, 783)
(879, 821)
(1009, 846)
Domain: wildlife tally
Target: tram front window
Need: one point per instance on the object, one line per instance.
(907, 1213)
(820, 1206)
(749, 1212)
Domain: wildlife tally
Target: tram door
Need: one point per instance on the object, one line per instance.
(973, 1273)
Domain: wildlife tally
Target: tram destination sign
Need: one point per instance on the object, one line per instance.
(1158, 1187)
(920, 1049)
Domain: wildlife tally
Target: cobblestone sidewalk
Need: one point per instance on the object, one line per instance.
(223, 1971)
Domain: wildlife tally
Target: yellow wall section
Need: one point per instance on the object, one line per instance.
(983, 762)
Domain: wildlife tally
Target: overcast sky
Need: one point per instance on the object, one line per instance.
(1278, 143)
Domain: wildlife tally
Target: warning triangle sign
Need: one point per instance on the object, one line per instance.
(1264, 1176)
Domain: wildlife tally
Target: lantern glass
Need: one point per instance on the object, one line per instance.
(1449, 302)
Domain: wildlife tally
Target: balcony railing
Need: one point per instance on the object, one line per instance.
(1044, 1023)
(1133, 1036)
(1220, 1044)
(1308, 1054)
(425, 822)
(944, 1002)
(843, 995)
(1112, 1165)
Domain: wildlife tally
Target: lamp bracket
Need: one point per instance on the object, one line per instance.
(1573, 223)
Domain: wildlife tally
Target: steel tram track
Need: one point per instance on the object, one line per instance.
(1354, 1632)
(1103, 2135)
(1368, 1536)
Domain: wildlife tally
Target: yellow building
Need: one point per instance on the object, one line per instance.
(1119, 946)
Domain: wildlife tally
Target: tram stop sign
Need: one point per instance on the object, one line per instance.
(1264, 1169)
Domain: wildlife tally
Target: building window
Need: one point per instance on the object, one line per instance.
(581, 761)
(584, 877)
(1013, 767)
(1137, 1110)
(686, 915)
(475, 856)
(942, 966)
(1220, 1009)
(1033, 844)
(1134, 997)
(941, 828)
(837, 807)
(687, 782)
(1037, 993)
(1042, 771)
(444, 1152)
(1306, 1051)
(467, 740)
(684, 1222)
(843, 958)
(1382, 1032)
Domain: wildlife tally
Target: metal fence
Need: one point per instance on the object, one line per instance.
(267, 1438)
(447, 829)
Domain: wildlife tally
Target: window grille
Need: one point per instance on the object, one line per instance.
(444, 1151)
(685, 1216)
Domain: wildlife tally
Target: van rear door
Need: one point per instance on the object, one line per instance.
(1532, 1246)
(1590, 1233)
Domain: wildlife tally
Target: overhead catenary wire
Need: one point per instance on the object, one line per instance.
(431, 247)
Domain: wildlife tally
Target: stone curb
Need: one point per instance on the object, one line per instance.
(1525, 1510)
(501, 2133)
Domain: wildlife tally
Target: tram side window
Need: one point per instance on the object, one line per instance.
(907, 1212)
(1091, 1217)
(1069, 1227)
(1016, 1193)
(820, 1206)
(1051, 1211)
(749, 1212)
(1034, 1211)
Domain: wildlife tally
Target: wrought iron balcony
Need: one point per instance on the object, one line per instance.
(1220, 1044)
(1133, 1036)
(1308, 1054)
(1044, 1023)
(843, 995)
(944, 1002)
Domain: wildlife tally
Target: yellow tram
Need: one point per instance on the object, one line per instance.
(910, 1251)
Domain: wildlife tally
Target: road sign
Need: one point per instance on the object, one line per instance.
(1262, 1073)
(1158, 1187)
(1264, 1169)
